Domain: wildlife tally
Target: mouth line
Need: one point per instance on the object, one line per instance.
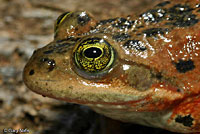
(47, 80)
(131, 102)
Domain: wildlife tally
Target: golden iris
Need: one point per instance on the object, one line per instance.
(94, 55)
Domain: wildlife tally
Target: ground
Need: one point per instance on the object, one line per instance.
(28, 24)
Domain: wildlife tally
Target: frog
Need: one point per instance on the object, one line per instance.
(142, 69)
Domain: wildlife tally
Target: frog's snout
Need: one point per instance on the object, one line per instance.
(49, 69)
(40, 67)
(34, 69)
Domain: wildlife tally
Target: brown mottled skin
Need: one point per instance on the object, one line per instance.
(155, 76)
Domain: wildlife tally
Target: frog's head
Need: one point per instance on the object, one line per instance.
(87, 68)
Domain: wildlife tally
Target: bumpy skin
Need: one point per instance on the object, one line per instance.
(154, 79)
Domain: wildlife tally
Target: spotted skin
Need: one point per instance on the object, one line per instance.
(153, 77)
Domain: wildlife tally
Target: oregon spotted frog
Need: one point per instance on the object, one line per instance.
(143, 69)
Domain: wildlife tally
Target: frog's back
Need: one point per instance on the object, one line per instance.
(165, 38)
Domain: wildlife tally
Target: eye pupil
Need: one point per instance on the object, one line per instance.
(92, 52)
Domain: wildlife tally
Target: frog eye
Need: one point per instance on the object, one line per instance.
(93, 57)
(60, 20)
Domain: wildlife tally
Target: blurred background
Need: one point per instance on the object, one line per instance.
(26, 25)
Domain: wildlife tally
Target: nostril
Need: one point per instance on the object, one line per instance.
(31, 72)
(49, 63)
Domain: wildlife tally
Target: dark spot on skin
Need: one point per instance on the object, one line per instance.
(185, 120)
(60, 47)
(180, 9)
(139, 34)
(159, 76)
(103, 22)
(50, 63)
(184, 21)
(162, 4)
(74, 39)
(184, 66)
(178, 90)
(70, 87)
(154, 31)
(63, 45)
(76, 29)
(43, 96)
(123, 23)
(63, 40)
(139, 27)
(31, 72)
(121, 37)
(134, 44)
(48, 52)
(83, 19)
(181, 16)
(70, 38)
(61, 50)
